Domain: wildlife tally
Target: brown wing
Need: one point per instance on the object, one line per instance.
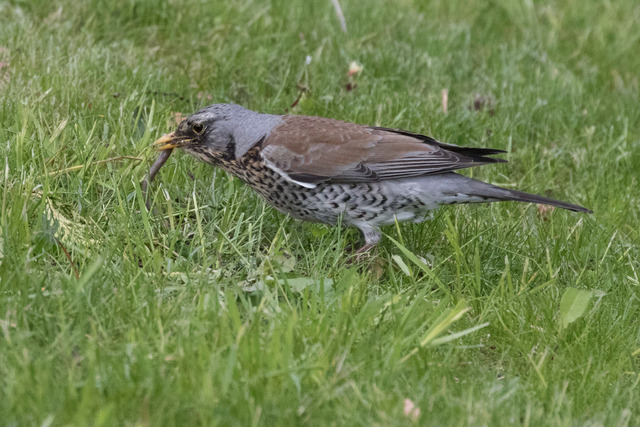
(309, 150)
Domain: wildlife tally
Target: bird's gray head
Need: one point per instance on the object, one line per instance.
(220, 130)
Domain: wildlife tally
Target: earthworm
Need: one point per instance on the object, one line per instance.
(162, 158)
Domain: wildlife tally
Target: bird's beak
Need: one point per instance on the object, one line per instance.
(167, 142)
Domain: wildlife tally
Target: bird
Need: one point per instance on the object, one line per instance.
(330, 171)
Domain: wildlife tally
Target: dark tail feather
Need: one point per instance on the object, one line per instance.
(519, 196)
(467, 151)
(470, 151)
(483, 189)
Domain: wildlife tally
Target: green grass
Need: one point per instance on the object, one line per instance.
(218, 310)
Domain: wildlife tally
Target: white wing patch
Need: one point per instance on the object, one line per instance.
(282, 173)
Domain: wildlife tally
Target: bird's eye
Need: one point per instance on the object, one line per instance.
(197, 128)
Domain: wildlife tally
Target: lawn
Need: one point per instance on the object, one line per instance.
(214, 309)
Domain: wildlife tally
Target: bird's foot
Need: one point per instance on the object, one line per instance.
(361, 254)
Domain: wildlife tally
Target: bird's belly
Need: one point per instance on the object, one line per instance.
(327, 203)
(377, 203)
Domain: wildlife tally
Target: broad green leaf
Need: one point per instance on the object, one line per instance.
(573, 304)
(285, 261)
(401, 264)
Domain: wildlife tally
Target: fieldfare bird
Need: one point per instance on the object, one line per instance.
(318, 169)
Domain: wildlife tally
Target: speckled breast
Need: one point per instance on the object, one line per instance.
(357, 202)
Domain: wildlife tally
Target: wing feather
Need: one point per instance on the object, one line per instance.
(309, 150)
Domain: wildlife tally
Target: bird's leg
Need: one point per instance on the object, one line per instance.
(371, 236)
(365, 248)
